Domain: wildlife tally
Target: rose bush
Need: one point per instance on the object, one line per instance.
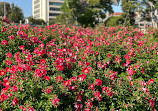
(59, 68)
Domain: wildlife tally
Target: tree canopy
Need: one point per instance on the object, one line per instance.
(16, 14)
(2, 8)
(129, 7)
(87, 12)
(149, 11)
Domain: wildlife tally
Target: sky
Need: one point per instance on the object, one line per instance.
(26, 6)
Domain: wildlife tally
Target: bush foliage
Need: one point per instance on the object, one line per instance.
(58, 68)
(114, 21)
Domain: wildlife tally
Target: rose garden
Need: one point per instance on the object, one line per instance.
(68, 68)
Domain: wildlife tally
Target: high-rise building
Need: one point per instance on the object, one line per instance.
(46, 9)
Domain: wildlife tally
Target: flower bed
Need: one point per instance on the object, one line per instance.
(59, 68)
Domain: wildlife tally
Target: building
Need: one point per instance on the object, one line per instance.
(46, 9)
(113, 14)
(139, 23)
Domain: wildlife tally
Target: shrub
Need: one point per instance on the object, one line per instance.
(114, 21)
(73, 68)
(36, 21)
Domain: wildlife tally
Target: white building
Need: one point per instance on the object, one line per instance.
(46, 9)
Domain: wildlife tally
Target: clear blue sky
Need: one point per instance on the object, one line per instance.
(26, 6)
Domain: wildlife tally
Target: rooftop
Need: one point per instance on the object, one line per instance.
(115, 13)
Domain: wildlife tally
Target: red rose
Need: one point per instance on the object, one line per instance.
(47, 78)
(15, 101)
(82, 77)
(4, 42)
(85, 70)
(98, 82)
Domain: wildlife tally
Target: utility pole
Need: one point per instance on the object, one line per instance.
(4, 8)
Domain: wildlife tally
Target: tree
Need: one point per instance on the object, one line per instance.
(88, 12)
(129, 7)
(149, 11)
(2, 8)
(63, 19)
(66, 17)
(16, 14)
(36, 21)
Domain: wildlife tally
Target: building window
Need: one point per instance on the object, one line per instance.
(37, 1)
(37, 16)
(51, 19)
(55, 3)
(37, 6)
(54, 9)
(37, 11)
(54, 14)
(141, 24)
